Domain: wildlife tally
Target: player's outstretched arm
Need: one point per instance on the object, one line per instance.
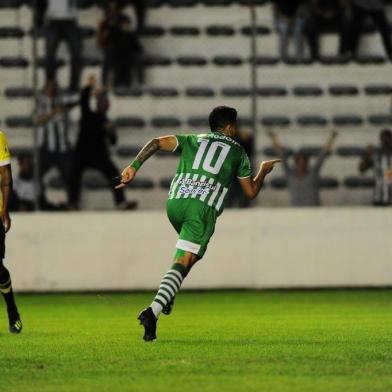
(366, 161)
(331, 140)
(276, 143)
(251, 186)
(165, 143)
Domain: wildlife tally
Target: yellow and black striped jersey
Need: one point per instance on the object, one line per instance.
(5, 157)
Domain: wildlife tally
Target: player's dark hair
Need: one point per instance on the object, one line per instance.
(222, 116)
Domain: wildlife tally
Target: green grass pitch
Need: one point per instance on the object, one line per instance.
(213, 341)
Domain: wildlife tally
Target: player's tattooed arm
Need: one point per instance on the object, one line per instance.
(251, 186)
(147, 151)
(6, 189)
(166, 143)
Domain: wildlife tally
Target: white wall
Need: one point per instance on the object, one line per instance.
(260, 248)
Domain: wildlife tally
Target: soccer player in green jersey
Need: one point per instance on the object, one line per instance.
(208, 165)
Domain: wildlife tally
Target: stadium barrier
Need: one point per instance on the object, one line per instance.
(259, 248)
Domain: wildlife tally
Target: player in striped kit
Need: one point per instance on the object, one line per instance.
(208, 165)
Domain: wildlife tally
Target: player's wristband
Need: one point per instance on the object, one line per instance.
(136, 165)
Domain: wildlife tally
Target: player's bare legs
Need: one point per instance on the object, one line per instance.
(168, 289)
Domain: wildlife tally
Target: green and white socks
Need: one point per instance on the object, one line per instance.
(168, 288)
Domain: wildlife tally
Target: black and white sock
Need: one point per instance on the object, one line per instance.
(168, 288)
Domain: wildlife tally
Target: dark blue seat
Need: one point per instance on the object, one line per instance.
(251, 2)
(370, 60)
(260, 30)
(264, 60)
(380, 119)
(198, 122)
(187, 31)
(234, 91)
(11, 32)
(152, 31)
(163, 92)
(343, 90)
(334, 60)
(156, 61)
(11, 3)
(378, 89)
(182, 3)
(271, 91)
(328, 183)
(18, 92)
(270, 151)
(130, 122)
(13, 62)
(128, 151)
(199, 92)
(359, 182)
(95, 181)
(311, 151)
(312, 120)
(165, 183)
(279, 183)
(165, 121)
(308, 91)
(324, 183)
(216, 3)
(347, 120)
(128, 92)
(278, 121)
(142, 183)
(219, 31)
(19, 121)
(296, 61)
(191, 61)
(350, 151)
(227, 61)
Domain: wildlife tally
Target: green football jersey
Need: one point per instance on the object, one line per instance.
(208, 165)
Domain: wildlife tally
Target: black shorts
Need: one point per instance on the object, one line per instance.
(2, 242)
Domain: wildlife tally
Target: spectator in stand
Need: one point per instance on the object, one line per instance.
(303, 179)
(380, 160)
(23, 196)
(128, 58)
(61, 25)
(290, 20)
(361, 9)
(53, 129)
(236, 196)
(121, 48)
(140, 11)
(23, 192)
(92, 150)
(327, 14)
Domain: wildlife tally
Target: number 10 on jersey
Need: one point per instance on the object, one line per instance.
(210, 155)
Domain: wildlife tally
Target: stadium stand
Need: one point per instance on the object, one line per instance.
(193, 64)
